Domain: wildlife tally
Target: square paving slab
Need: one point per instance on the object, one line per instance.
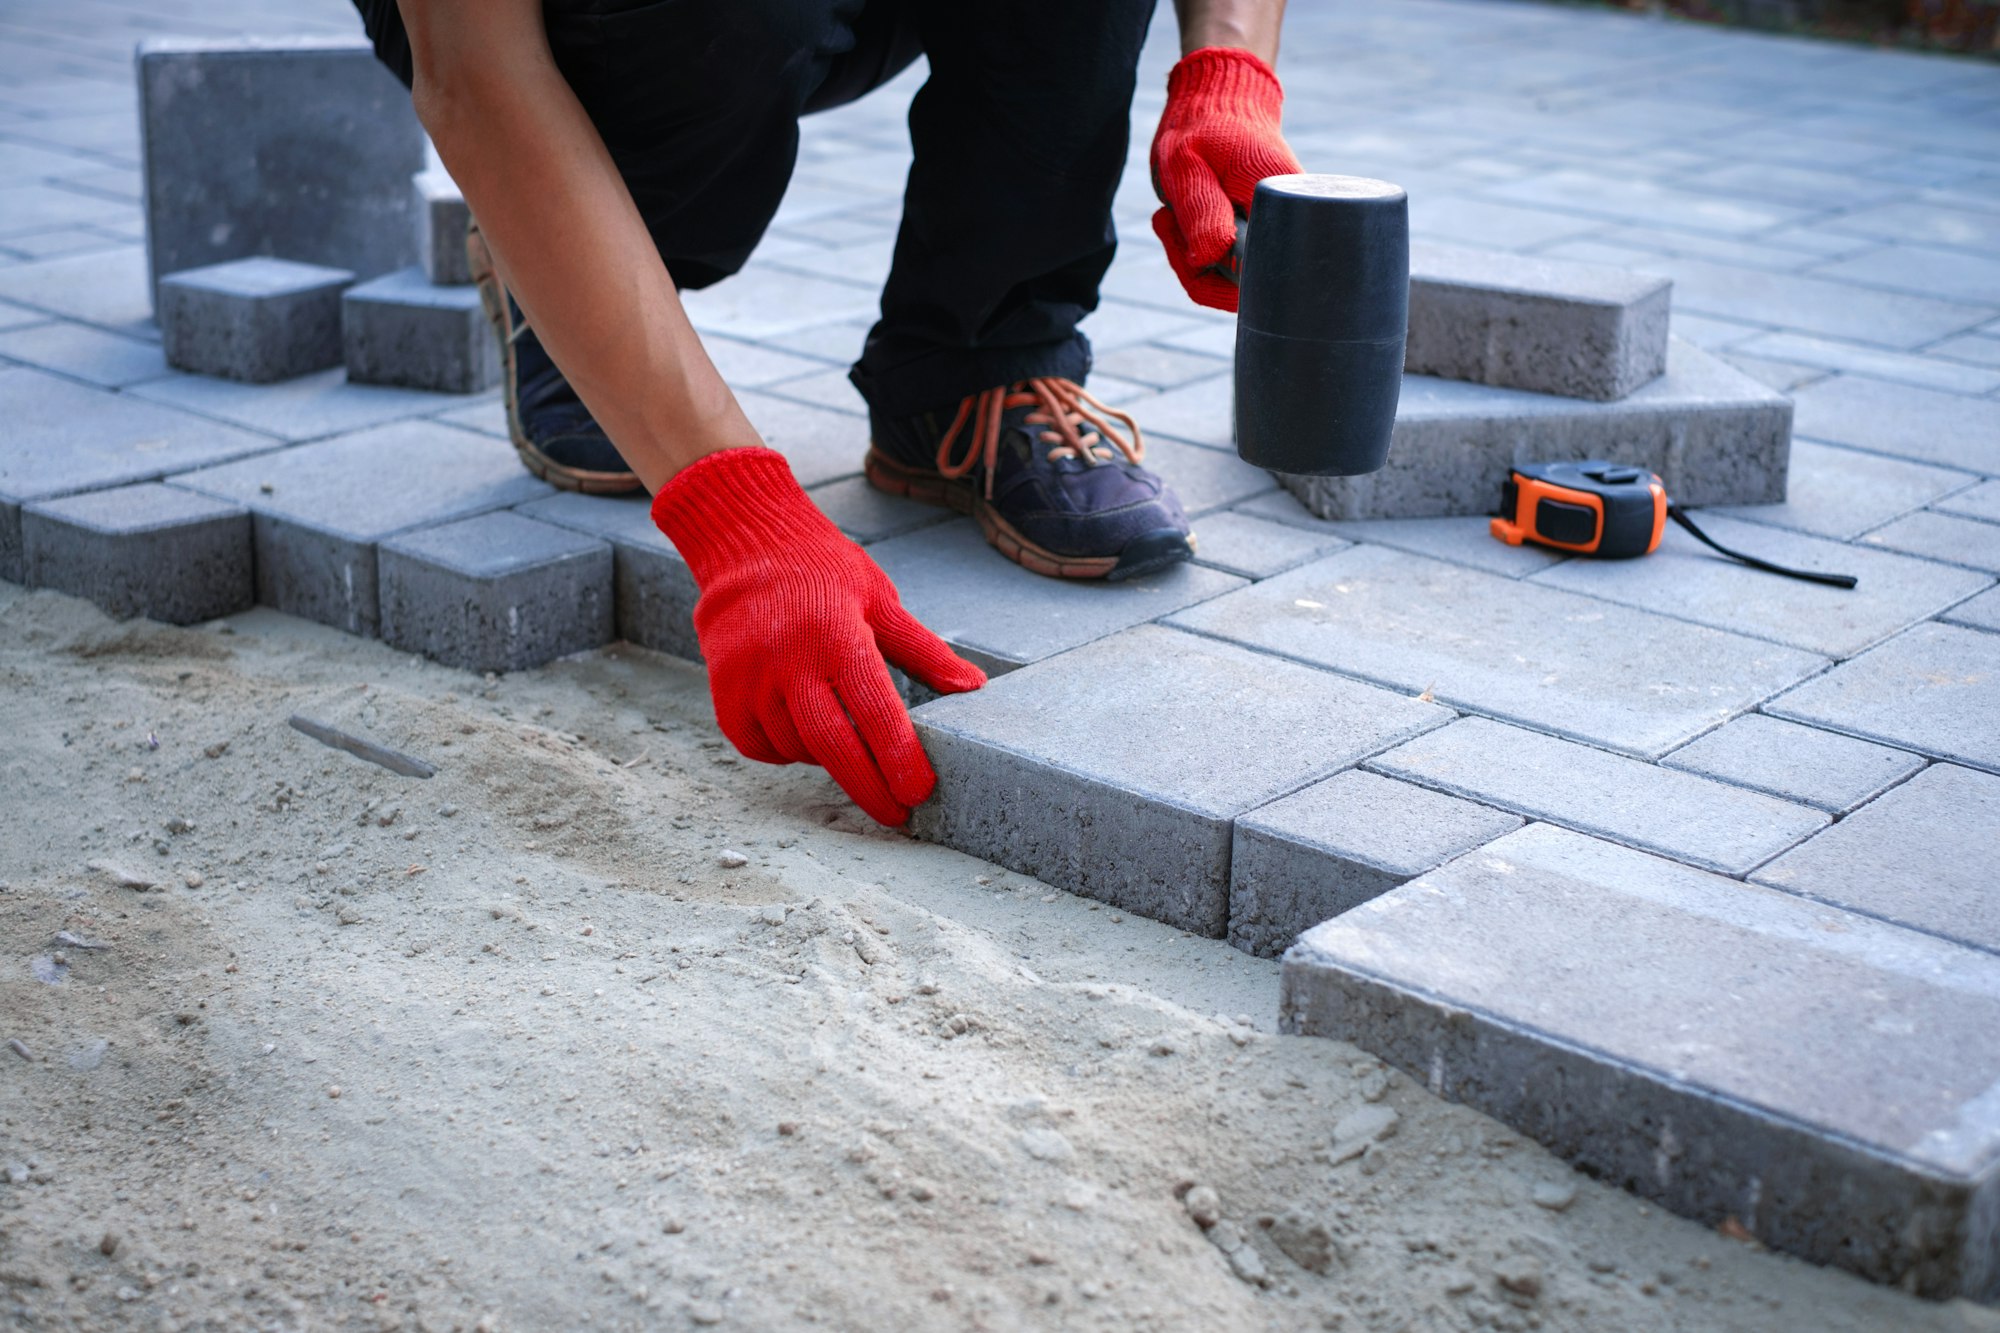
(144, 550)
(1319, 852)
(1553, 660)
(1934, 689)
(1926, 855)
(61, 438)
(655, 592)
(1686, 579)
(1001, 616)
(1827, 1080)
(1115, 770)
(319, 510)
(1817, 768)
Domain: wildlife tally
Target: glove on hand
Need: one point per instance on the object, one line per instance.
(795, 621)
(1217, 138)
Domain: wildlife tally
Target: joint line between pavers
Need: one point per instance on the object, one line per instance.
(1899, 458)
(1893, 742)
(1488, 1018)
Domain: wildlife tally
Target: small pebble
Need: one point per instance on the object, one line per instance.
(109, 1245)
(334, 1091)
(731, 860)
(1203, 1205)
(20, 1048)
(1554, 1195)
(1520, 1274)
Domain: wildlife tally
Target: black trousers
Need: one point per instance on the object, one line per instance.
(1019, 135)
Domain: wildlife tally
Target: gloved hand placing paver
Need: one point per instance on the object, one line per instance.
(1217, 138)
(796, 622)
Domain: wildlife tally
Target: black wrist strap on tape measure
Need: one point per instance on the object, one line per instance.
(1679, 515)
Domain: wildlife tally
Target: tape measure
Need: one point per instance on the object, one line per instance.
(1608, 510)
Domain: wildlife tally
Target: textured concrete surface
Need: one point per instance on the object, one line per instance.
(1563, 663)
(654, 591)
(301, 148)
(1712, 1045)
(1714, 435)
(320, 510)
(1115, 770)
(1547, 325)
(1687, 817)
(495, 592)
(144, 550)
(1943, 537)
(1900, 419)
(1934, 689)
(1818, 768)
(253, 319)
(1256, 548)
(1981, 612)
(1842, 493)
(401, 329)
(1922, 856)
(1316, 853)
(442, 219)
(867, 515)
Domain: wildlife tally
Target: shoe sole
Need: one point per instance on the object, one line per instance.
(493, 300)
(1148, 553)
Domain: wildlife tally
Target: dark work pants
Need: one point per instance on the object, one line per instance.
(1019, 134)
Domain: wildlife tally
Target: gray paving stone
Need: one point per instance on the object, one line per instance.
(107, 288)
(442, 219)
(1626, 199)
(1115, 770)
(762, 301)
(1942, 537)
(1713, 434)
(401, 329)
(496, 592)
(1903, 420)
(1622, 678)
(1205, 479)
(1975, 348)
(1686, 579)
(62, 438)
(1926, 855)
(868, 515)
(301, 148)
(1329, 848)
(1256, 548)
(1464, 220)
(307, 408)
(1951, 275)
(1934, 689)
(1158, 366)
(1547, 325)
(1926, 370)
(653, 590)
(1981, 501)
(143, 550)
(1784, 376)
(1714, 1046)
(1001, 616)
(822, 445)
(1680, 815)
(1977, 230)
(1981, 612)
(1462, 541)
(320, 510)
(1818, 768)
(108, 360)
(1711, 334)
(1842, 493)
(749, 365)
(254, 319)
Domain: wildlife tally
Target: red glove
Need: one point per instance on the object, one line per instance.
(1217, 138)
(795, 621)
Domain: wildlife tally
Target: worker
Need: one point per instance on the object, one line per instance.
(613, 153)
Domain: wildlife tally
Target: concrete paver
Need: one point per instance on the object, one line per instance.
(1575, 666)
(653, 590)
(143, 550)
(1981, 612)
(108, 360)
(1903, 420)
(1115, 770)
(1819, 768)
(1256, 548)
(1462, 541)
(1942, 537)
(1981, 501)
(402, 329)
(256, 319)
(1842, 493)
(1934, 689)
(441, 220)
(311, 407)
(1739, 1033)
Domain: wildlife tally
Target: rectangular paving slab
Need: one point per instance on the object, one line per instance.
(1934, 689)
(62, 438)
(144, 550)
(1682, 815)
(1523, 322)
(1715, 436)
(320, 510)
(1945, 537)
(654, 591)
(255, 319)
(1615, 676)
(1115, 770)
(1720, 1048)
(1001, 616)
(1686, 579)
(1842, 493)
(1932, 427)
(223, 120)
(495, 592)
(1805, 764)
(1981, 612)
(402, 329)
(1926, 855)
(1256, 548)
(1329, 848)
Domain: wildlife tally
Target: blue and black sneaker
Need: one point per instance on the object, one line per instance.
(1055, 486)
(557, 438)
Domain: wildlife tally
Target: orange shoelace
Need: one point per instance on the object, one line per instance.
(1062, 409)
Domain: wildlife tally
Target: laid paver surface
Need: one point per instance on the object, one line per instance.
(1934, 689)
(1804, 764)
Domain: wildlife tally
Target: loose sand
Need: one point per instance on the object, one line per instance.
(511, 1048)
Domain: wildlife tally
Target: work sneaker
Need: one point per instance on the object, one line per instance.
(557, 438)
(1054, 485)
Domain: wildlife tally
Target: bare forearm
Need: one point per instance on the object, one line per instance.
(1251, 25)
(567, 236)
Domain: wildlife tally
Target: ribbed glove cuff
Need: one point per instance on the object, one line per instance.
(1227, 77)
(737, 505)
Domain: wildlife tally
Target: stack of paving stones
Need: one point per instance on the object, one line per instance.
(1683, 869)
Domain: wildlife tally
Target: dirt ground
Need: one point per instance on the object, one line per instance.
(301, 1044)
